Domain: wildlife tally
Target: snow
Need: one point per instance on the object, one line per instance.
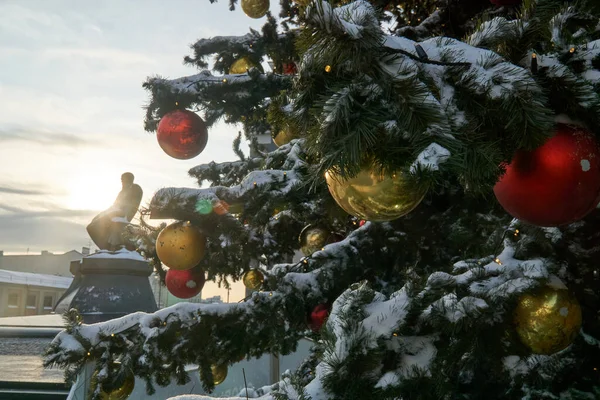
(453, 309)
(515, 366)
(122, 254)
(388, 379)
(585, 165)
(33, 279)
(386, 316)
(198, 397)
(431, 157)
(34, 321)
(419, 351)
(290, 177)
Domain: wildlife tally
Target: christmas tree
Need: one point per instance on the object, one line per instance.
(440, 163)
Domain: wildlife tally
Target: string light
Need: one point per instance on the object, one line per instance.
(89, 354)
(572, 50)
(395, 334)
(224, 80)
(112, 335)
(497, 260)
(328, 68)
(534, 55)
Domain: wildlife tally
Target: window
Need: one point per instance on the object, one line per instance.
(31, 301)
(48, 302)
(13, 300)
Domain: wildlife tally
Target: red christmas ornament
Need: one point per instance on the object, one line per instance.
(556, 184)
(506, 2)
(318, 317)
(182, 134)
(362, 222)
(185, 283)
(290, 68)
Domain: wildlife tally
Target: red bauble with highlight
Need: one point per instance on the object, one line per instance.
(182, 134)
(318, 317)
(185, 283)
(290, 68)
(556, 184)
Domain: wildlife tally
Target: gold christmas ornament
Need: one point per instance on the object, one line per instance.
(284, 137)
(253, 279)
(180, 246)
(219, 373)
(114, 392)
(373, 196)
(255, 8)
(241, 66)
(547, 321)
(313, 238)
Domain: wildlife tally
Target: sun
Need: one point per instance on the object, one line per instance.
(94, 191)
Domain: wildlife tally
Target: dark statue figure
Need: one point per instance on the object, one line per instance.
(106, 229)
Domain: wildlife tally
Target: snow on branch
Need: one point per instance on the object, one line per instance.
(280, 181)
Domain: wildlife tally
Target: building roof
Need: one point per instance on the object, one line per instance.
(34, 321)
(28, 278)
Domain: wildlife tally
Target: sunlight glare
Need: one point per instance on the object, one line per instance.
(94, 190)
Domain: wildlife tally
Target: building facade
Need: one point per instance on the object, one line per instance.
(24, 293)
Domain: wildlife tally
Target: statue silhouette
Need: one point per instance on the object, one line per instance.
(106, 229)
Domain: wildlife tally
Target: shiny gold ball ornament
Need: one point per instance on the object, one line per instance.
(121, 389)
(313, 238)
(180, 245)
(241, 66)
(255, 8)
(373, 196)
(219, 373)
(284, 137)
(548, 320)
(253, 279)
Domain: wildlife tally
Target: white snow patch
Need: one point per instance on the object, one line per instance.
(191, 284)
(120, 254)
(419, 351)
(515, 366)
(585, 165)
(388, 379)
(431, 157)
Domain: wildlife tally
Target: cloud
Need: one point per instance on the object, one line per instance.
(13, 190)
(17, 214)
(54, 234)
(45, 138)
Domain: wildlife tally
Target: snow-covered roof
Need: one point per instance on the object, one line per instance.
(34, 321)
(28, 278)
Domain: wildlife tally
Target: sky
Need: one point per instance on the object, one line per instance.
(72, 112)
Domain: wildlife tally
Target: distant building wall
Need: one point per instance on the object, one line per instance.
(19, 299)
(45, 263)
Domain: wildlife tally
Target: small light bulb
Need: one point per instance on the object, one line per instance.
(572, 50)
(224, 80)
(89, 354)
(112, 335)
(534, 55)
(497, 260)
(328, 68)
